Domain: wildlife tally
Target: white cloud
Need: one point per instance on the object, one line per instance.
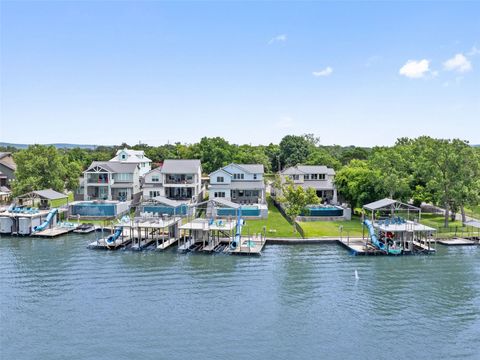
(415, 69)
(473, 51)
(325, 72)
(285, 122)
(278, 38)
(458, 63)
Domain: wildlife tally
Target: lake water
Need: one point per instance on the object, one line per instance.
(59, 300)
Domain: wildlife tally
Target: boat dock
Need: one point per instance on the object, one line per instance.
(53, 232)
(141, 233)
(248, 246)
(205, 235)
(458, 242)
(101, 244)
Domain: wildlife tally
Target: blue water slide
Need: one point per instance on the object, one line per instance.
(112, 238)
(47, 221)
(377, 243)
(238, 233)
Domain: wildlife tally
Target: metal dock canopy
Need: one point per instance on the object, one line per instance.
(392, 206)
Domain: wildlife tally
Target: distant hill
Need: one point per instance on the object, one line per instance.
(58, 146)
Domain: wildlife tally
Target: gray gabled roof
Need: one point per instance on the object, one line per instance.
(181, 166)
(226, 203)
(166, 201)
(114, 166)
(251, 168)
(308, 169)
(47, 194)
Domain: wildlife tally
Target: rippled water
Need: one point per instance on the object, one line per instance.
(60, 300)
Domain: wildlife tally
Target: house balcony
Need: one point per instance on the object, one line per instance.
(98, 180)
(179, 180)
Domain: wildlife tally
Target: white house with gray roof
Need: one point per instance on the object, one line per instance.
(112, 180)
(136, 157)
(238, 183)
(175, 180)
(319, 177)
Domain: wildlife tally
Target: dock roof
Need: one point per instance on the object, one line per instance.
(47, 194)
(387, 204)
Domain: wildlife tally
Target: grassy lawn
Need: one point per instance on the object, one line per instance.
(61, 202)
(331, 228)
(436, 221)
(473, 212)
(275, 222)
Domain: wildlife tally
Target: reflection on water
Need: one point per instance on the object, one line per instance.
(294, 302)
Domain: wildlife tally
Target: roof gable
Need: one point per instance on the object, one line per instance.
(191, 166)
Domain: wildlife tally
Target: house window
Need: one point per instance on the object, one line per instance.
(321, 176)
(154, 193)
(220, 179)
(295, 177)
(314, 176)
(254, 176)
(219, 194)
(306, 177)
(124, 156)
(238, 176)
(155, 178)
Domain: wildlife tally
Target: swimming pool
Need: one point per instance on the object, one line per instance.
(328, 210)
(246, 211)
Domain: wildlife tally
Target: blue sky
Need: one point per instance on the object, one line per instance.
(350, 73)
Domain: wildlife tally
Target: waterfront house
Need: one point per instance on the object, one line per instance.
(112, 180)
(179, 180)
(7, 169)
(238, 183)
(319, 177)
(152, 185)
(135, 157)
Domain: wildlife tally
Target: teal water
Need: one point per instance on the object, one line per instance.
(59, 300)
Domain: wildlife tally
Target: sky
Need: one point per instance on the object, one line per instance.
(351, 73)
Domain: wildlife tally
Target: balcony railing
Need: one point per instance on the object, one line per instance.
(97, 180)
(179, 181)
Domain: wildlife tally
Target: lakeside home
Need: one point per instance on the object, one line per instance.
(110, 180)
(135, 157)
(238, 183)
(319, 177)
(7, 174)
(179, 180)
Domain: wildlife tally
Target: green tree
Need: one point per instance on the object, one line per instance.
(294, 199)
(42, 167)
(450, 171)
(296, 149)
(320, 156)
(213, 152)
(357, 183)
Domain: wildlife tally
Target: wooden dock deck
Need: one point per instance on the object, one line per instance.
(53, 232)
(458, 242)
(167, 243)
(360, 247)
(248, 247)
